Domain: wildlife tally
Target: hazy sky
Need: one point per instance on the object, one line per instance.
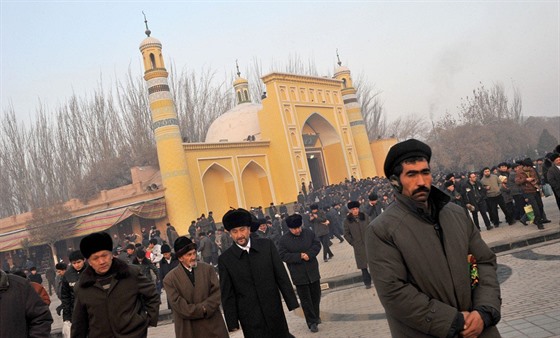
(423, 56)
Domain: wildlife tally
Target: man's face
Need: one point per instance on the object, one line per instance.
(129, 251)
(472, 178)
(60, 272)
(557, 161)
(373, 202)
(416, 180)
(33, 272)
(101, 261)
(355, 211)
(189, 259)
(240, 235)
(262, 227)
(167, 255)
(78, 264)
(502, 168)
(487, 172)
(295, 231)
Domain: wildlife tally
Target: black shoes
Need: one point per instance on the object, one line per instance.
(313, 328)
(523, 222)
(544, 221)
(368, 286)
(489, 227)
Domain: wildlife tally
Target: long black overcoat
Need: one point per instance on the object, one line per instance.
(290, 249)
(251, 284)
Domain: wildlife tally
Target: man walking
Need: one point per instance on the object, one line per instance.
(320, 225)
(355, 226)
(252, 276)
(475, 200)
(193, 291)
(299, 249)
(113, 299)
(494, 197)
(419, 251)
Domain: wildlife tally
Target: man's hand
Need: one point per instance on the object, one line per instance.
(474, 325)
(304, 256)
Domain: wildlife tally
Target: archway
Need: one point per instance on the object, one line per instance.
(324, 152)
(219, 190)
(256, 187)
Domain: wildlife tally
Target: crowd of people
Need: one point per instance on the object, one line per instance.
(238, 265)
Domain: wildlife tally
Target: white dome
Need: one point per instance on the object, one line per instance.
(236, 124)
(150, 41)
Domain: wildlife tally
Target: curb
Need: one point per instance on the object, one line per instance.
(353, 278)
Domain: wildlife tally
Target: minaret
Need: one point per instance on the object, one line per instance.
(241, 87)
(179, 196)
(357, 125)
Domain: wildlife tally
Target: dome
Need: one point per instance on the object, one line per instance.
(236, 124)
(239, 80)
(341, 69)
(150, 42)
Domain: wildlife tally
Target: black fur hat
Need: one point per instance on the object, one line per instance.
(294, 221)
(237, 218)
(96, 242)
(353, 204)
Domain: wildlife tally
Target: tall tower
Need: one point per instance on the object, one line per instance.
(241, 87)
(356, 121)
(179, 196)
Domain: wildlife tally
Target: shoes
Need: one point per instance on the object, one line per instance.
(489, 227)
(319, 321)
(540, 226)
(368, 286)
(544, 221)
(313, 328)
(511, 223)
(523, 222)
(331, 256)
(326, 260)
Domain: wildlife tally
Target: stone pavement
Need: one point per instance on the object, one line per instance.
(529, 274)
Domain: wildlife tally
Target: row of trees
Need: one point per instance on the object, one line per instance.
(90, 142)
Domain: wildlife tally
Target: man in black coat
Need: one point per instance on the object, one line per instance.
(299, 249)
(77, 265)
(252, 276)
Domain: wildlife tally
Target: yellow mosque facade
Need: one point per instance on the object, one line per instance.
(307, 129)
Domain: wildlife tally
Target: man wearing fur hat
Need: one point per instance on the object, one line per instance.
(299, 249)
(193, 290)
(113, 299)
(252, 276)
(419, 252)
(355, 225)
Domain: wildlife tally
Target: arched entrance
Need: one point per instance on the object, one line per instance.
(324, 152)
(219, 190)
(256, 187)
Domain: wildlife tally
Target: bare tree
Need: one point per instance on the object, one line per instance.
(372, 108)
(409, 126)
(490, 106)
(49, 225)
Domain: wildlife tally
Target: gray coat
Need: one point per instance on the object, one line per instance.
(423, 282)
(354, 233)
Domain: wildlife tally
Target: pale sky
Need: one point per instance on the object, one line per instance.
(423, 56)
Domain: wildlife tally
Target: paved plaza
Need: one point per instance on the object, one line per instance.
(529, 277)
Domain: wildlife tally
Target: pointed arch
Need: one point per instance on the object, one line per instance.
(256, 186)
(219, 189)
(325, 156)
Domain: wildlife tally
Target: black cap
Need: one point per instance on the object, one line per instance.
(373, 197)
(405, 150)
(183, 245)
(353, 204)
(165, 248)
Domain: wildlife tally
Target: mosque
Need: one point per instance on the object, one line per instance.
(307, 129)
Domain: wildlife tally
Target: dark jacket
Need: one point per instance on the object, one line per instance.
(124, 310)
(290, 249)
(320, 224)
(422, 276)
(22, 312)
(145, 267)
(165, 267)
(553, 177)
(251, 285)
(188, 302)
(69, 280)
(354, 233)
(473, 193)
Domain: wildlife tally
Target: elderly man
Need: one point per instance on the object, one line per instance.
(419, 251)
(252, 276)
(113, 299)
(193, 290)
(299, 249)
